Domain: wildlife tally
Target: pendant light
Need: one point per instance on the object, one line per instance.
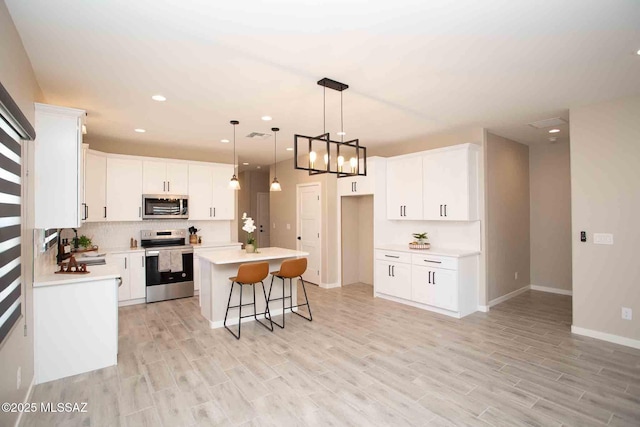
(275, 185)
(234, 184)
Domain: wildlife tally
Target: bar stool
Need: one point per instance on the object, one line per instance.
(290, 269)
(249, 274)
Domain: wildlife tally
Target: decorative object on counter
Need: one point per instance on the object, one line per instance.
(329, 149)
(275, 185)
(420, 242)
(133, 243)
(72, 267)
(84, 241)
(200, 240)
(249, 227)
(234, 184)
(193, 237)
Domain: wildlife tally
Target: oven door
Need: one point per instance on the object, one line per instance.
(158, 206)
(154, 277)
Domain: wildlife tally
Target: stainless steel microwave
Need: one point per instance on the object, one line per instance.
(165, 206)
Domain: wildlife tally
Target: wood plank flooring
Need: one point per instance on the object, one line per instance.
(361, 362)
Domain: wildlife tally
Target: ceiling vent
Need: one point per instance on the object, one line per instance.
(547, 123)
(258, 135)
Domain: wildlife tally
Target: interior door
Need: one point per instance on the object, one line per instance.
(309, 221)
(263, 221)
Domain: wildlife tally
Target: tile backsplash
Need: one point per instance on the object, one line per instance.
(111, 235)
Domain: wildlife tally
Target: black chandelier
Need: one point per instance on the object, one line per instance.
(321, 154)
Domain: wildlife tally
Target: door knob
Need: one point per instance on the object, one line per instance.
(299, 238)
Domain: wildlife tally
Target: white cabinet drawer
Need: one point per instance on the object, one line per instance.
(392, 256)
(434, 261)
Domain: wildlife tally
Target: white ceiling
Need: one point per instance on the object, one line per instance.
(414, 67)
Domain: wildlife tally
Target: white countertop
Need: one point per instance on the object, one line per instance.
(125, 249)
(457, 253)
(120, 250)
(215, 244)
(96, 272)
(238, 256)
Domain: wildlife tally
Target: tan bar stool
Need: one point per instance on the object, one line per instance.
(290, 269)
(249, 274)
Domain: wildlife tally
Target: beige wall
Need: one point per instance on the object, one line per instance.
(16, 74)
(251, 183)
(550, 195)
(357, 240)
(605, 198)
(507, 196)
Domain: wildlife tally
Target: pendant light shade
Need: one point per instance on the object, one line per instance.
(234, 184)
(275, 185)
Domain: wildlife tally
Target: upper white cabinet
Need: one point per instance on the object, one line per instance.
(164, 177)
(95, 186)
(358, 185)
(209, 194)
(404, 188)
(58, 167)
(124, 189)
(223, 198)
(450, 184)
(439, 184)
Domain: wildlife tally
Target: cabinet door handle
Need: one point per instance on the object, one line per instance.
(392, 256)
(434, 277)
(389, 268)
(429, 277)
(400, 210)
(164, 186)
(355, 187)
(86, 211)
(105, 211)
(125, 263)
(210, 212)
(440, 210)
(445, 210)
(214, 212)
(435, 262)
(168, 185)
(140, 211)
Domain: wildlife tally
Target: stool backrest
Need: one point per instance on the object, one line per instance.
(291, 268)
(252, 272)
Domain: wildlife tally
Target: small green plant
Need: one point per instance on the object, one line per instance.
(420, 237)
(84, 241)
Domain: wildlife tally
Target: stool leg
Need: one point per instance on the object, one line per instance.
(269, 299)
(255, 309)
(227, 312)
(283, 299)
(306, 302)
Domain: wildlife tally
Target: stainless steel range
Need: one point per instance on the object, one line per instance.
(169, 264)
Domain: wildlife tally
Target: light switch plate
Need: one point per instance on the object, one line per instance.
(603, 238)
(627, 313)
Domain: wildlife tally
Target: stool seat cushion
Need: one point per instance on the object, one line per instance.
(291, 268)
(252, 272)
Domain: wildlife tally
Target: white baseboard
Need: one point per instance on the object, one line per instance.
(449, 313)
(483, 308)
(508, 296)
(616, 339)
(27, 398)
(552, 290)
(329, 285)
(132, 302)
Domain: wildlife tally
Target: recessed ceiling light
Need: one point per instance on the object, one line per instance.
(554, 131)
(258, 167)
(139, 130)
(341, 133)
(224, 141)
(158, 98)
(289, 149)
(266, 118)
(638, 52)
(245, 163)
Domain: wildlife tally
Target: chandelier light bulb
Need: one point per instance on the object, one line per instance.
(354, 164)
(312, 159)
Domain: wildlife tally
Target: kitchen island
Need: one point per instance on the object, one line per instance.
(217, 267)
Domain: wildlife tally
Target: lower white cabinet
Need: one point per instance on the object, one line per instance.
(447, 284)
(132, 271)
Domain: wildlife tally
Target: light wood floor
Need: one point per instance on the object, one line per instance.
(361, 362)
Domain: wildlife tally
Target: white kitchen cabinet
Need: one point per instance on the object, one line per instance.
(132, 271)
(393, 278)
(404, 188)
(124, 189)
(200, 191)
(164, 177)
(58, 167)
(223, 196)
(442, 283)
(358, 185)
(209, 194)
(95, 186)
(450, 184)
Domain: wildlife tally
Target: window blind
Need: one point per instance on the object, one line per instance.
(10, 200)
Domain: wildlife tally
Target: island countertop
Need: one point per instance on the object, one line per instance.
(238, 256)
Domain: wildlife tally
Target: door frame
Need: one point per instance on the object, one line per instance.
(320, 239)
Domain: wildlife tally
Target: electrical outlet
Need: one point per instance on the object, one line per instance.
(603, 238)
(19, 378)
(627, 313)
(288, 226)
(516, 275)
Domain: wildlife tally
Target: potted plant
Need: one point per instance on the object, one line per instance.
(84, 241)
(420, 241)
(249, 227)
